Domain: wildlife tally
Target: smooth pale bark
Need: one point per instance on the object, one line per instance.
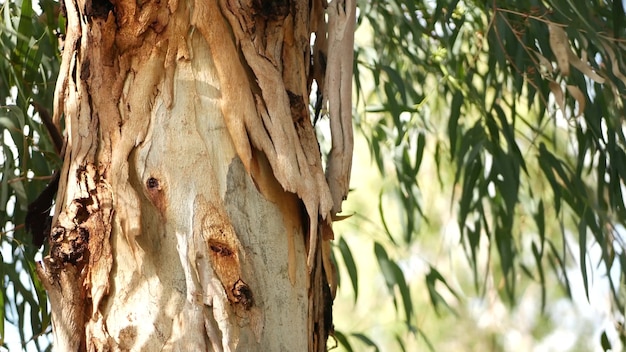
(193, 212)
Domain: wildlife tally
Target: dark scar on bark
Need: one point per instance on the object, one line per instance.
(243, 294)
(152, 183)
(220, 249)
(273, 10)
(82, 213)
(98, 8)
(85, 71)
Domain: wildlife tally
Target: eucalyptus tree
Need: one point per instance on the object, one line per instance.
(181, 115)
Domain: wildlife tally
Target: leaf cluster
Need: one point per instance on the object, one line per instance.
(523, 101)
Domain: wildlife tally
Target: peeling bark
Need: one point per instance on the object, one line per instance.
(193, 210)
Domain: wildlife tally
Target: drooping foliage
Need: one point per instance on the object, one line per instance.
(518, 105)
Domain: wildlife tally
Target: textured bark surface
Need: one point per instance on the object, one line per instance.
(193, 212)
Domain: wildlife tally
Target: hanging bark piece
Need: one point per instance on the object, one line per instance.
(338, 90)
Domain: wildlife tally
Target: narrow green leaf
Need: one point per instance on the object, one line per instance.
(473, 236)
(538, 261)
(453, 121)
(558, 266)
(582, 246)
(470, 181)
(385, 266)
(508, 130)
(526, 270)
(394, 76)
(605, 343)
(541, 227)
(350, 266)
(436, 298)
(343, 341)
(506, 252)
(546, 165)
(419, 153)
(366, 340)
(404, 293)
(400, 342)
(429, 344)
(4, 178)
(381, 213)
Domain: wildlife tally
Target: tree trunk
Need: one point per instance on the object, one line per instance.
(193, 211)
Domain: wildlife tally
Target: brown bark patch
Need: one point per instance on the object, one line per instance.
(127, 337)
(155, 191)
(224, 251)
(299, 111)
(220, 249)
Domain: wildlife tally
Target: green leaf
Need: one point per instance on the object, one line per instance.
(381, 213)
(366, 340)
(4, 178)
(547, 164)
(558, 266)
(540, 221)
(507, 254)
(453, 121)
(436, 298)
(350, 266)
(44, 314)
(429, 344)
(343, 341)
(400, 343)
(419, 153)
(582, 246)
(16, 117)
(20, 193)
(397, 81)
(605, 343)
(385, 266)
(7, 123)
(538, 255)
(404, 293)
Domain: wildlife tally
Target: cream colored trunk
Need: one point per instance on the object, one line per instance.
(193, 212)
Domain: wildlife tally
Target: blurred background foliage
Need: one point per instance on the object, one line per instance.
(29, 62)
(489, 212)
